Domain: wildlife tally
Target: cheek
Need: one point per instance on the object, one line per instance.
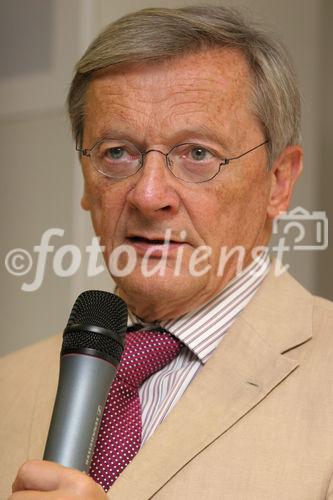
(106, 201)
(250, 211)
(211, 216)
(233, 213)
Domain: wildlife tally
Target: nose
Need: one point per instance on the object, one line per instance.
(155, 189)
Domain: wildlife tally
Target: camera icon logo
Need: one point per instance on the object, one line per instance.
(303, 229)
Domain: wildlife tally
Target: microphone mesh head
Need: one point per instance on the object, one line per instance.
(98, 308)
(95, 308)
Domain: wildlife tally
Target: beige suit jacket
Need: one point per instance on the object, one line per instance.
(255, 424)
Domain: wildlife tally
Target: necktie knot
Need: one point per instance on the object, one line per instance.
(145, 353)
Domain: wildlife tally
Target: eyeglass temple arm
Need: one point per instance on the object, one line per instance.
(83, 152)
(228, 160)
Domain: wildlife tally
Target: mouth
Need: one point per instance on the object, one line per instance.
(149, 241)
(157, 246)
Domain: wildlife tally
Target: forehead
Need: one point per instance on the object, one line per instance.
(208, 85)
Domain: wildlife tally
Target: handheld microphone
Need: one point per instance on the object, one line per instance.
(93, 343)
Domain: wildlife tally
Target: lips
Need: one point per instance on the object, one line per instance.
(153, 242)
(153, 238)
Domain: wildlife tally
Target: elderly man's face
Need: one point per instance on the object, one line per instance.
(205, 99)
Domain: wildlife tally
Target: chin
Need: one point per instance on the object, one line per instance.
(160, 296)
(149, 285)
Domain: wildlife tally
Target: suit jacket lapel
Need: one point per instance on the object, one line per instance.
(245, 368)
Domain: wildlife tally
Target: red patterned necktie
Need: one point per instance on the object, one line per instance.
(119, 438)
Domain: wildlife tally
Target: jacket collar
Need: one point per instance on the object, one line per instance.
(247, 365)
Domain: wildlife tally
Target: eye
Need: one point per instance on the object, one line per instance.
(116, 153)
(193, 155)
(199, 153)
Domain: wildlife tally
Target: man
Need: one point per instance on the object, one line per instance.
(187, 124)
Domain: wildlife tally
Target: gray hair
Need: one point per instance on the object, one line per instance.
(155, 34)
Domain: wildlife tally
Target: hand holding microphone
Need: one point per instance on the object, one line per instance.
(41, 480)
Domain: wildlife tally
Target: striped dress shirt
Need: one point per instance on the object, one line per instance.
(200, 331)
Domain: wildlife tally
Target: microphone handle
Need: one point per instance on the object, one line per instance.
(84, 383)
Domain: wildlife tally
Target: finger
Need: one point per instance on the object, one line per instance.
(43, 476)
(38, 475)
(34, 495)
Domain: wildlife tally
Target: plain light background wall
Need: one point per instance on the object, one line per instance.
(42, 183)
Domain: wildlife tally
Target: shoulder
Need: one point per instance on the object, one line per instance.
(323, 306)
(323, 317)
(33, 350)
(29, 362)
(28, 381)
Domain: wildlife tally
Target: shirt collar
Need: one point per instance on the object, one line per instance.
(203, 329)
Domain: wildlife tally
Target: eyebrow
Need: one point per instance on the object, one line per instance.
(193, 133)
(204, 132)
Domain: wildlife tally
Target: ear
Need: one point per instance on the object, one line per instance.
(285, 172)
